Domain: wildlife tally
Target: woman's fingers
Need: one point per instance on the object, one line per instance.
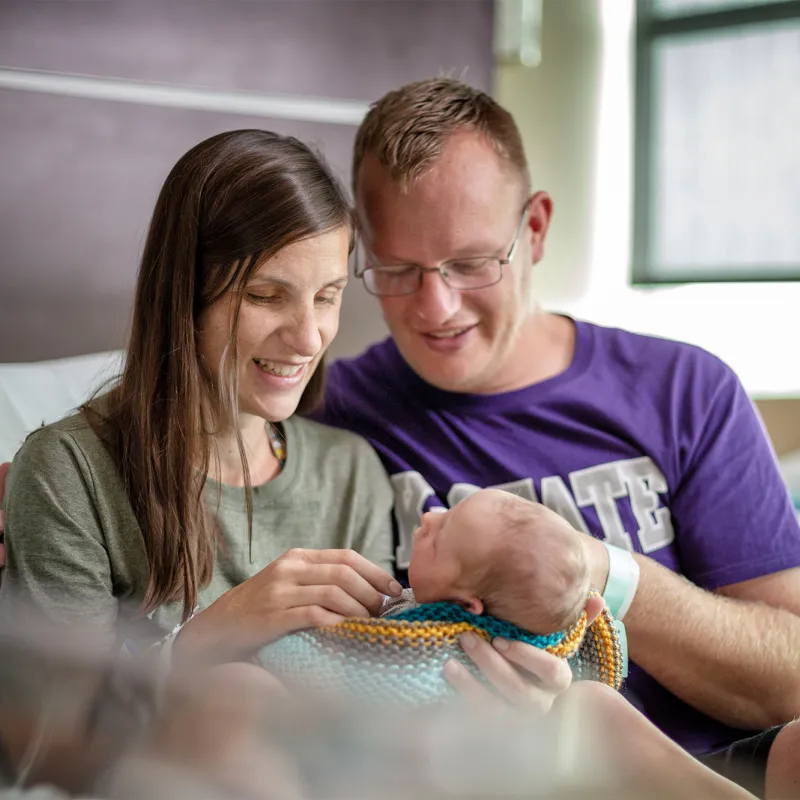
(328, 596)
(376, 577)
(301, 589)
(345, 579)
(298, 619)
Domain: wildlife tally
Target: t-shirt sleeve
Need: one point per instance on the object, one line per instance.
(374, 536)
(732, 513)
(57, 561)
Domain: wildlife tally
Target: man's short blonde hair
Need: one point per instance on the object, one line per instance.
(407, 128)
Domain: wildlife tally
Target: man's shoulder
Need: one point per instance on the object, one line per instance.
(647, 354)
(375, 364)
(360, 390)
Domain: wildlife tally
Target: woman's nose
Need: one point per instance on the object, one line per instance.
(302, 333)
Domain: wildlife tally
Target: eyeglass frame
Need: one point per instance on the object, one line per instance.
(503, 262)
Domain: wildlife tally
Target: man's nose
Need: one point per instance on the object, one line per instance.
(435, 301)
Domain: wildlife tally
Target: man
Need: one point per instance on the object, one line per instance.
(650, 446)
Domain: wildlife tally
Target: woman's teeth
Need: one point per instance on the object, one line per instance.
(448, 334)
(283, 370)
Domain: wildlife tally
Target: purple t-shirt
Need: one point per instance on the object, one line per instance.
(647, 443)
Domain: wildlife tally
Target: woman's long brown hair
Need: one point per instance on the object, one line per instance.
(229, 203)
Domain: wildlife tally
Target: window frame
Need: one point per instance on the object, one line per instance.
(650, 27)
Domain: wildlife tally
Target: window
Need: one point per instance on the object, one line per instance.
(717, 192)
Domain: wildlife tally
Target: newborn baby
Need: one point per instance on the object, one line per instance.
(486, 566)
(491, 553)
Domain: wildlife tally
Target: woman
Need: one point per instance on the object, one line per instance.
(175, 489)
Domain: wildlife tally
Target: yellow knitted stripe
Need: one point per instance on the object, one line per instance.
(603, 640)
(413, 634)
(572, 641)
(439, 634)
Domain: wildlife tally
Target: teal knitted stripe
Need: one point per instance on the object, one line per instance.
(452, 613)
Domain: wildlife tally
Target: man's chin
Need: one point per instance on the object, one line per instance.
(456, 371)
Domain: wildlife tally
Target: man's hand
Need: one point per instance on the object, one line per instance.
(519, 673)
(3, 472)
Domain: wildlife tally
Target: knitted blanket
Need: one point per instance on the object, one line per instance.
(399, 660)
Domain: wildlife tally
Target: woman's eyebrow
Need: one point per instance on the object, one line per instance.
(259, 279)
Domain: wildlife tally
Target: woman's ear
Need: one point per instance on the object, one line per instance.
(593, 608)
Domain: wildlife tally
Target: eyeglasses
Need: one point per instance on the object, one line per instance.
(462, 274)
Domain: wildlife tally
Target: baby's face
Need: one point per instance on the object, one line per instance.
(446, 546)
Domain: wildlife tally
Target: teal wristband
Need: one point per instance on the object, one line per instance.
(623, 580)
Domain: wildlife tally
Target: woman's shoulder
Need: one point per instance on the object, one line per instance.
(64, 448)
(335, 452)
(70, 433)
(325, 437)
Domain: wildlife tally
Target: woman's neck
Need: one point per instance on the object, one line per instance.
(226, 465)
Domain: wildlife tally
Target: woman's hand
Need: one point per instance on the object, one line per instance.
(301, 589)
(519, 673)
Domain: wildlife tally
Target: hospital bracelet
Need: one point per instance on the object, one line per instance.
(623, 580)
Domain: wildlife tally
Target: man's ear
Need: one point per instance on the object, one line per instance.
(593, 608)
(540, 209)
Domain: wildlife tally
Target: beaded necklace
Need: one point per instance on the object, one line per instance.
(277, 441)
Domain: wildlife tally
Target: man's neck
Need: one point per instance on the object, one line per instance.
(544, 348)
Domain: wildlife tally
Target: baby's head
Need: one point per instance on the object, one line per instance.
(512, 558)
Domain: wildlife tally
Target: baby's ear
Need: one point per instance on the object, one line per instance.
(473, 605)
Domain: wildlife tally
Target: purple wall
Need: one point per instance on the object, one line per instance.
(80, 176)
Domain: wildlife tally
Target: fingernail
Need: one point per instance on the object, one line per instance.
(500, 644)
(395, 588)
(452, 667)
(468, 641)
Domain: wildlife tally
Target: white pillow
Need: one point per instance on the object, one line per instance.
(43, 392)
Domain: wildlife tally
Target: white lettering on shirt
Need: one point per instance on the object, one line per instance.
(645, 481)
(600, 487)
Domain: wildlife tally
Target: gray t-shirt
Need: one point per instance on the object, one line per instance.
(75, 551)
